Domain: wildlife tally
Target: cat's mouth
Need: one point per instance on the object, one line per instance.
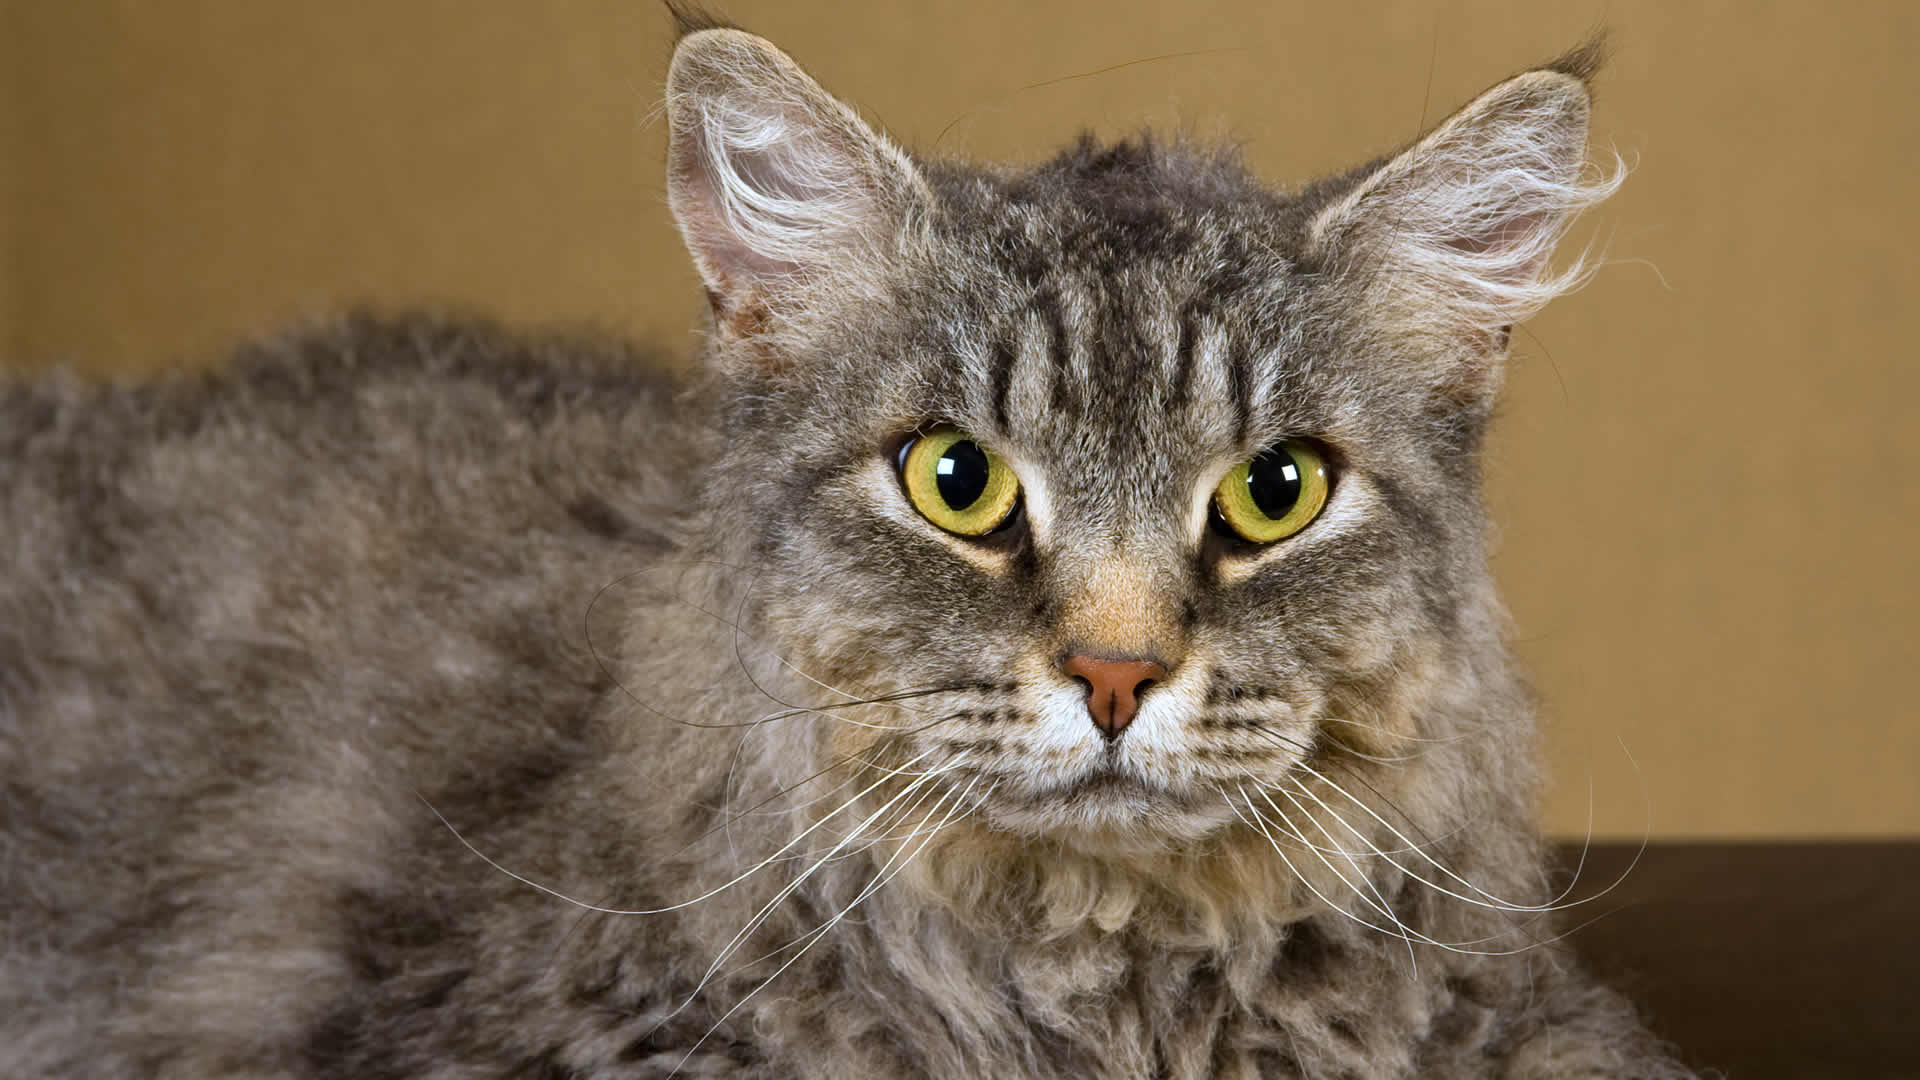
(1105, 802)
(1108, 781)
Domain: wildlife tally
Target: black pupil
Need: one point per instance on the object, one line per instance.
(961, 473)
(1274, 480)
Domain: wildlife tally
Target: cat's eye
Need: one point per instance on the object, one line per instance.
(1275, 495)
(958, 484)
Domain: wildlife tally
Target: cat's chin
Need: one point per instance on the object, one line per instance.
(1110, 814)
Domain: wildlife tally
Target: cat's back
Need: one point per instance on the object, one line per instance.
(373, 398)
(245, 613)
(376, 496)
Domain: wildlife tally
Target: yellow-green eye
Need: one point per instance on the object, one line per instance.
(957, 483)
(1275, 495)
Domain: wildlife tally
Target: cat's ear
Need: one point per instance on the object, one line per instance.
(1456, 232)
(778, 187)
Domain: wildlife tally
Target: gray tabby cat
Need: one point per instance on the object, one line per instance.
(1053, 638)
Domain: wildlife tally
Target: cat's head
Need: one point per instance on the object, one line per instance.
(1162, 485)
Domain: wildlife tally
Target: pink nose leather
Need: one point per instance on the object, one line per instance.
(1113, 688)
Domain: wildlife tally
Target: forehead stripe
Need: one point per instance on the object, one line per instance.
(1000, 378)
(1241, 382)
(1059, 349)
(1183, 356)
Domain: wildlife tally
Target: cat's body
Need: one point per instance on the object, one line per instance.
(320, 680)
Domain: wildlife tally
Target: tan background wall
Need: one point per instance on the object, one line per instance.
(1706, 476)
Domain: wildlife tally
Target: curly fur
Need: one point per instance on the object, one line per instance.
(417, 699)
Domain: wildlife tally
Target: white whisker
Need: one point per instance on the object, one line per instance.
(882, 872)
(1257, 823)
(772, 905)
(1380, 902)
(1495, 905)
(671, 907)
(904, 813)
(1459, 947)
(881, 878)
(1392, 734)
(1497, 902)
(791, 887)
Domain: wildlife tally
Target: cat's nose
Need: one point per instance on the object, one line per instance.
(1113, 688)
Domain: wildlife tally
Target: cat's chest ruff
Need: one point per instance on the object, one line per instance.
(1121, 1003)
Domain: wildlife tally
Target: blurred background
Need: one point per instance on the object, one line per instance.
(1705, 477)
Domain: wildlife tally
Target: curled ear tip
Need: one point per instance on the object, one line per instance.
(726, 39)
(1550, 83)
(707, 61)
(1542, 97)
(1573, 72)
(717, 49)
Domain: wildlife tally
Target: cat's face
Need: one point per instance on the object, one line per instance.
(1158, 486)
(1118, 399)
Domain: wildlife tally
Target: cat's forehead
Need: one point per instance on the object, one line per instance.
(1107, 209)
(1134, 302)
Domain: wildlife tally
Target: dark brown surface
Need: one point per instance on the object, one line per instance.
(1767, 960)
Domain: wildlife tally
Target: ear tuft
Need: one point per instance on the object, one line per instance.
(1583, 61)
(1460, 228)
(689, 18)
(774, 182)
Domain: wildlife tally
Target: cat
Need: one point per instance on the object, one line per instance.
(1050, 636)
